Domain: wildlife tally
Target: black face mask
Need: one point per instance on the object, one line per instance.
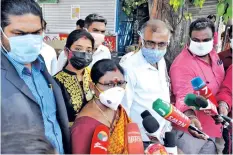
(80, 60)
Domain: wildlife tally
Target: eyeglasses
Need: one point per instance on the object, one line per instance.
(152, 44)
(111, 84)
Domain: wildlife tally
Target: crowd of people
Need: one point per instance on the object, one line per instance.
(51, 106)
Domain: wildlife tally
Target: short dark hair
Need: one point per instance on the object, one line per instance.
(201, 24)
(80, 23)
(18, 8)
(25, 142)
(212, 17)
(76, 35)
(94, 18)
(44, 24)
(100, 68)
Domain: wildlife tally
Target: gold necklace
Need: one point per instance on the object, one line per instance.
(105, 117)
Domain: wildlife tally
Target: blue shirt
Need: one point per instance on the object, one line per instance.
(44, 96)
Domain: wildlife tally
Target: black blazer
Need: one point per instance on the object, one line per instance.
(19, 110)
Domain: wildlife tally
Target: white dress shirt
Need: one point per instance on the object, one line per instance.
(50, 58)
(101, 53)
(145, 85)
(125, 57)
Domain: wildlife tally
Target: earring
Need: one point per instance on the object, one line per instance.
(93, 92)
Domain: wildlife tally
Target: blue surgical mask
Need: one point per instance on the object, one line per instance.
(24, 49)
(153, 56)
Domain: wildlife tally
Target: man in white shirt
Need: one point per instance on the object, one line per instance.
(147, 77)
(96, 25)
(49, 55)
(50, 58)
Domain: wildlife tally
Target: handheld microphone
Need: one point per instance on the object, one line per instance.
(156, 149)
(100, 141)
(150, 124)
(207, 106)
(172, 114)
(226, 118)
(170, 143)
(200, 103)
(134, 139)
(201, 89)
(145, 113)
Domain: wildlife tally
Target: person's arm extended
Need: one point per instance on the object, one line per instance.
(224, 96)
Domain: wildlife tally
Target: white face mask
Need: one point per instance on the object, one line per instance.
(231, 43)
(201, 49)
(112, 97)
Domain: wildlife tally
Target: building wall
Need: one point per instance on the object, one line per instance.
(58, 16)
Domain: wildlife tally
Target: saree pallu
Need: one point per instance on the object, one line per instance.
(117, 142)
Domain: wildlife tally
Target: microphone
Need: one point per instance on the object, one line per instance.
(170, 143)
(151, 125)
(190, 101)
(200, 88)
(226, 118)
(134, 139)
(156, 149)
(100, 141)
(200, 103)
(145, 113)
(172, 114)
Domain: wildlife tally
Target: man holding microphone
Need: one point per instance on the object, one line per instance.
(198, 58)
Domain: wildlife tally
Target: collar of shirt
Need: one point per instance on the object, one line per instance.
(38, 65)
(100, 49)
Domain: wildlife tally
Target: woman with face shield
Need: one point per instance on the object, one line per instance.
(108, 87)
(74, 79)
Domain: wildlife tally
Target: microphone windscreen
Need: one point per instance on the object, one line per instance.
(150, 124)
(201, 102)
(170, 139)
(190, 100)
(100, 140)
(134, 139)
(145, 114)
(197, 83)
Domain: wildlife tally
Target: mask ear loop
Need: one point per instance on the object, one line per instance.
(6, 38)
(100, 91)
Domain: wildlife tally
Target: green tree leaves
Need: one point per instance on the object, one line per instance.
(130, 5)
(224, 8)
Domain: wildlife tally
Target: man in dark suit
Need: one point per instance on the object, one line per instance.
(30, 98)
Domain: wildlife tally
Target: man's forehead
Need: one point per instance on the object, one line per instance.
(156, 37)
(98, 25)
(202, 34)
(25, 23)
